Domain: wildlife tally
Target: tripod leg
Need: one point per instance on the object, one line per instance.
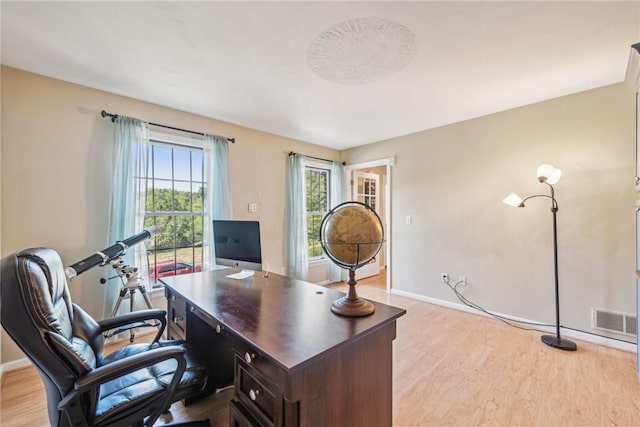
(116, 307)
(147, 300)
(132, 306)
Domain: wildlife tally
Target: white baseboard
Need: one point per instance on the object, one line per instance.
(14, 364)
(595, 339)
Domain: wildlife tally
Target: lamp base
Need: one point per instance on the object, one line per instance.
(560, 343)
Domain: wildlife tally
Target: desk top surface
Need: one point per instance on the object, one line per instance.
(289, 320)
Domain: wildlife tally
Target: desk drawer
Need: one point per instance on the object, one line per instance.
(177, 314)
(239, 416)
(257, 394)
(254, 358)
(175, 333)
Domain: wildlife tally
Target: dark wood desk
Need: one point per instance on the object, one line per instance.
(293, 362)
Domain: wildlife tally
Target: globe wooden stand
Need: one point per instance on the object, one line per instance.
(352, 305)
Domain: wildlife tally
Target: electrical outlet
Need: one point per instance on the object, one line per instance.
(444, 277)
(462, 280)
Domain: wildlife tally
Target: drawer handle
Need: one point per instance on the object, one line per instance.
(248, 357)
(192, 309)
(173, 298)
(253, 394)
(218, 328)
(177, 319)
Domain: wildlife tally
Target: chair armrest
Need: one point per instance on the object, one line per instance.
(139, 316)
(129, 364)
(125, 366)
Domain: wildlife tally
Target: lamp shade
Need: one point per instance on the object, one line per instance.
(513, 200)
(555, 176)
(633, 67)
(548, 174)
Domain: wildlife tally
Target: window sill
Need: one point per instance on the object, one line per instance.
(318, 262)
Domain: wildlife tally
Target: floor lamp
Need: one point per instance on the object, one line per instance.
(549, 175)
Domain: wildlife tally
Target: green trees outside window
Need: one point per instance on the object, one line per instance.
(175, 203)
(317, 186)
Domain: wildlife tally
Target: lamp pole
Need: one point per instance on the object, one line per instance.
(551, 340)
(549, 175)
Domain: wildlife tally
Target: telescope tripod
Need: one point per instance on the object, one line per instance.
(129, 289)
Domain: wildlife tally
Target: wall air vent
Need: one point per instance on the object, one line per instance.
(612, 321)
(631, 325)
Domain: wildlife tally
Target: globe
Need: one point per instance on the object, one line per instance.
(351, 235)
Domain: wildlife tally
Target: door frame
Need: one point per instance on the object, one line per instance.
(372, 268)
(388, 162)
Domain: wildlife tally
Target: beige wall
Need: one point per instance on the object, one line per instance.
(452, 181)
(56, 166)
(56, 162)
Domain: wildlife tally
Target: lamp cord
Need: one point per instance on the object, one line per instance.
(508, 320)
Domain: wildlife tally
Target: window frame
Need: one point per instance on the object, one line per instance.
(192, 144)
(326, 168)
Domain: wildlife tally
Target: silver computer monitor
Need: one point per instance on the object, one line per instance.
(237, 244)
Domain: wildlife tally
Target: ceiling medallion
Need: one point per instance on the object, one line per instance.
(361, 50)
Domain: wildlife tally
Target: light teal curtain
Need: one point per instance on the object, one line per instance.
(297, 252)
(218, 196)
(128, 197)
(337, 196)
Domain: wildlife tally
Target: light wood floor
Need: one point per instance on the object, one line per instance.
(450, 369)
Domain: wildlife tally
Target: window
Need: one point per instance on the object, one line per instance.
(174, 201)
(317, 185)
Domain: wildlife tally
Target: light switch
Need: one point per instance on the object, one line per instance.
(407, 220)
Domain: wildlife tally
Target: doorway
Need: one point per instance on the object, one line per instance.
(370, 183)
(365, 188)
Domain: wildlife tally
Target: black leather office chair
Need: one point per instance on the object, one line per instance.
(130, 386)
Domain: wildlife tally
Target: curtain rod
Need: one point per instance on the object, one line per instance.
(291, 153)
(113, 117)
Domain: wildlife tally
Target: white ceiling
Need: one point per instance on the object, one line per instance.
(246, 62)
